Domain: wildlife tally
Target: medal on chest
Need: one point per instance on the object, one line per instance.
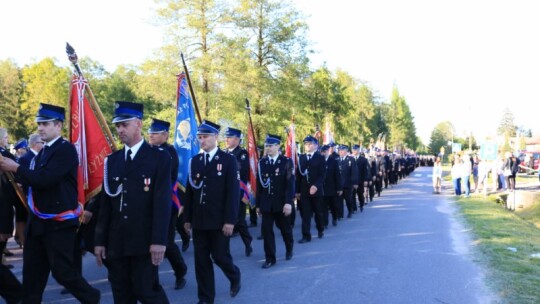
(277, 171)
(147, 182)
(219, 168)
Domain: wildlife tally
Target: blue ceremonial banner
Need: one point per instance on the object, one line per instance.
(185, 137)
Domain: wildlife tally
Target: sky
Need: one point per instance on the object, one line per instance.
(459, 61)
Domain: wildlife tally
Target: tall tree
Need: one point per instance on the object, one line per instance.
(401, 123)
(507, 126)
(272, 34)
(11, 85)
(440, 136)
(44, 81)
(195, 27)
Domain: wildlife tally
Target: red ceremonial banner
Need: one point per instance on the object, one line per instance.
(89, 140)
(290, 147)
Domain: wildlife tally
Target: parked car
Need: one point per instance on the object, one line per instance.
(533, 162)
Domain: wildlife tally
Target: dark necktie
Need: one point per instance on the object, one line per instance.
(271, 162)
(44, 151)
(308, 157)
(128, 157)
(206, 159)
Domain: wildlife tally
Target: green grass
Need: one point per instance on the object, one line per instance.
(520, 178)
(515, 276)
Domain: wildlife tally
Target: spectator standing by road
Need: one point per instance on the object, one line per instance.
(475, 164)
(437, 176)
(466, 169)
(456, 175)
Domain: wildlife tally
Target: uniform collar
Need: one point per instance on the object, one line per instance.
(212, 152)
(273, 158)
(50, 143)
(134, 149)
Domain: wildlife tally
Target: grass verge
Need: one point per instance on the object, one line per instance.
(515, 276)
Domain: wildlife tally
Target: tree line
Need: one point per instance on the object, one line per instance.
(255, 49)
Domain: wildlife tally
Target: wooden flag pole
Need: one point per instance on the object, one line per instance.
(248, 108)
(194, 100)
(72, 56)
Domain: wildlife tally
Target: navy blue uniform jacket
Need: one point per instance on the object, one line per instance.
(349, 171)
(215, 203)
(332, 180)
(54, 185)
(25, 161)
(135, 219)
(314, 175)
(364, 173)
(280, 189)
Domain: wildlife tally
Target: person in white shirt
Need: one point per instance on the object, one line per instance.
(437, 176)
(456, 175)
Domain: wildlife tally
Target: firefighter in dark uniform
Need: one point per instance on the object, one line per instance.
(52, 224)
(363, 175)
(374, 171)
(309, 188)
(332, 186)
(211, 211)
(10, 287)
(132, 226)
(387, 168)
(275, 188)
(158, 134)
(233, 137)
(349, 178)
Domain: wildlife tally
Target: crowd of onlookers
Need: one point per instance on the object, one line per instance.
(471, 174)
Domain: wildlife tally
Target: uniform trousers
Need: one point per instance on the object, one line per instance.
(330, 204)
(253, 216)
(212, 245)
(311, 206)
(54, 252)
(172, 253)
(135, 278)
(241, 226)
(180, 228)
(379, 184)
(282, 222)
(361, 199)
(372, 190)
(348, 197)
(10, 287)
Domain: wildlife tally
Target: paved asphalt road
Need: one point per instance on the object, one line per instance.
(408, 246)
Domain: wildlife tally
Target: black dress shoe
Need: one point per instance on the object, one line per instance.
(185, 246)
(304, 240)
(253, 225)
(7, 252)
(64, 291)
(288, 255)
(349, 215)
(334, 222)
(235, 288)
(321, 234)
(260, 237)
(180, 283)
(9, 266)
(249, 250)
(267, 265)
